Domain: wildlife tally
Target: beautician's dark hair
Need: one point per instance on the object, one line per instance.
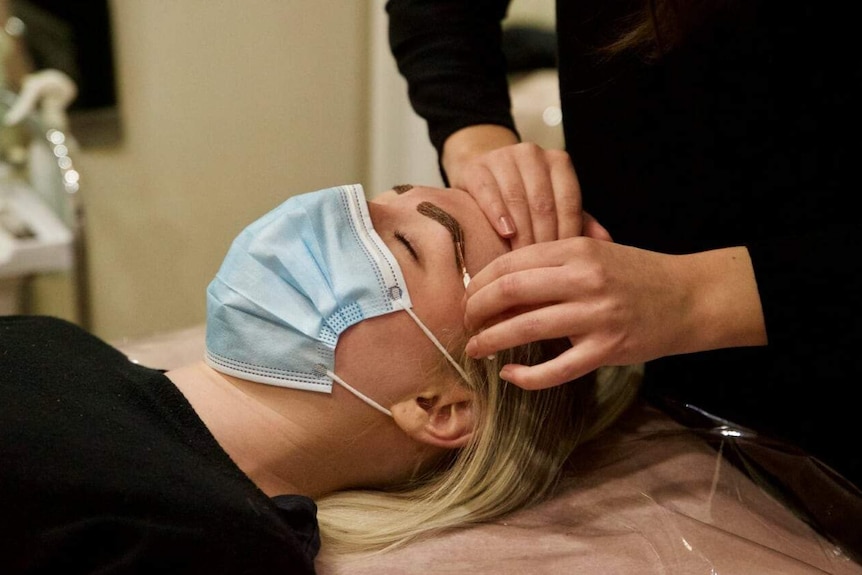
(655, 27)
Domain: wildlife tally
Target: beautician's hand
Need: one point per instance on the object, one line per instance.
(529, 194)
(617, 304)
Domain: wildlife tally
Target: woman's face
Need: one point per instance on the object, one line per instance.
(386, 357)
(419, 227)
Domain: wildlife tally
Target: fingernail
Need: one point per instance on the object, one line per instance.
(470, 349)
(506, 228)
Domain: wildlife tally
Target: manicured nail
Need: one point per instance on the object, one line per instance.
(506, 228)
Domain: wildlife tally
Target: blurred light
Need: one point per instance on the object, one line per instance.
(15, 26)
(71, 177)
(552, 116)
(56, 137)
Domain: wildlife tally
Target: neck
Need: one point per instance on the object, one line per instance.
(297, 442)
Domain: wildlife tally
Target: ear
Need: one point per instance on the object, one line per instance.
(441, 417)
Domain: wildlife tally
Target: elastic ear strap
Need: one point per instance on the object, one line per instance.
(430, 336)
(436, 342)
(358, 394)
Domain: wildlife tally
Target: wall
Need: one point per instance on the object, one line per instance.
(227, 108)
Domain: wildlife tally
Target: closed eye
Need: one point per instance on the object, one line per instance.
(406, 242)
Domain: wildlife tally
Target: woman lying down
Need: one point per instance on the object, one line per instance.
(228, 464)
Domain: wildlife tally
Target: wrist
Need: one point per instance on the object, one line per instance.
(725, 303)
(473, 141)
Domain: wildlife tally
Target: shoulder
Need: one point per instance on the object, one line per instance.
(51, 340)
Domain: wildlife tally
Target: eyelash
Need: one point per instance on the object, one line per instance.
(406, 242)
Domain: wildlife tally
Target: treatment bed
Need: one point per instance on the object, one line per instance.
(652, 496)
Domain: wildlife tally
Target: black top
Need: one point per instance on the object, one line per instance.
(107, 468)
(747, 135)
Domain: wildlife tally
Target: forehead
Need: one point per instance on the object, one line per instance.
(481, 241)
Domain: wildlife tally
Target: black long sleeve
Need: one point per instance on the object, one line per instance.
(451, 55)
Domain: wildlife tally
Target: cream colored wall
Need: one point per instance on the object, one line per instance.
(532, 12)
(227, 108)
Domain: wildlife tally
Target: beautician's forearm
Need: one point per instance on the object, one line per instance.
(725, 309)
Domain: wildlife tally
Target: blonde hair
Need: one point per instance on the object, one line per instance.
(520, 444)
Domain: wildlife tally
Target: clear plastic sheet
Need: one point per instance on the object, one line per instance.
(813, 491)
(657, 497)
(653, 496)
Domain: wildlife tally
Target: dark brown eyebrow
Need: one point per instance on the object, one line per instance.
(401, 188)
(437, 214)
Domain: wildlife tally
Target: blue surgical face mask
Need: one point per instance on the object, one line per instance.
(290, 285)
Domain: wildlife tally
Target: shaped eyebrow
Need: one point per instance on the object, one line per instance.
(401, 188)
(439, 215)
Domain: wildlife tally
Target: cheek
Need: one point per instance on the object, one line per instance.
(437, 299)
(384, 357)
(441, 312)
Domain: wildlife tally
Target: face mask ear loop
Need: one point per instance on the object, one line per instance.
(395, 294)
(355, 392)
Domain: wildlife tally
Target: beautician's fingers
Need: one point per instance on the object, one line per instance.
(611, 282)
(548, 255)
(534, 203)
(571, 364)
(496, 183)
(531, 258)
(593, 229)
(617, 304)
(557, 320)
(592, 346)
(567, 194)
(528, 193)
(515, 292)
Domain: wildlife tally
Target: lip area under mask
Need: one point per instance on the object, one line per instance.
(292, 282)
